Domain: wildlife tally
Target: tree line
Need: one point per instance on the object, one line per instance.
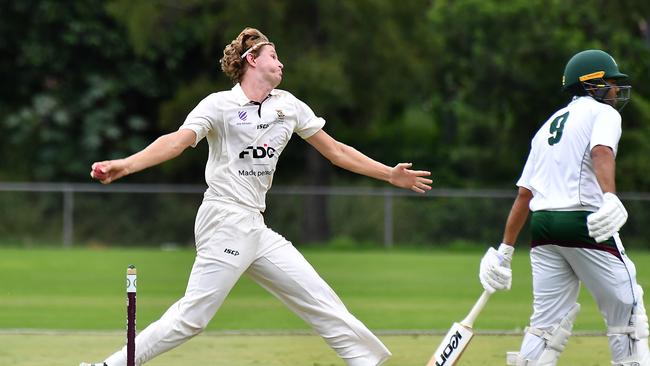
(456, 87)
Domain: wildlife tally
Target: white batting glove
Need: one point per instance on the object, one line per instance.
(495, 273)
(606, 222)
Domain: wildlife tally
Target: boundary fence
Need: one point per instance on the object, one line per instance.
(68, 191)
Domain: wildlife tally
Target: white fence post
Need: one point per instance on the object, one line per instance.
(388, 218)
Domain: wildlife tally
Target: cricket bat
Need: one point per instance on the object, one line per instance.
(457, 339)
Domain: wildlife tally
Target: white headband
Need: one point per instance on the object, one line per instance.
(254, 47)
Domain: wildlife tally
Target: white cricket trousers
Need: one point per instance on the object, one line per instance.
(232, 240)
(557, 274)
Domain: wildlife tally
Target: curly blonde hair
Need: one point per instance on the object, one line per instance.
(233, 64)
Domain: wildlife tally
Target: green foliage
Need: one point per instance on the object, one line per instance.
(28, 219)
(70, 93)
(502, 79)
(457, 87)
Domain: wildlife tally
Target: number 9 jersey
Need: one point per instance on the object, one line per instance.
(559, 169)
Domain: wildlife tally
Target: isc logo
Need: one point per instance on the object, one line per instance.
(231, 252)
(258, 152)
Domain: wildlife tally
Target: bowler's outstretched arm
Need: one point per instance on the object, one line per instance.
(351, 159)
(165, 148)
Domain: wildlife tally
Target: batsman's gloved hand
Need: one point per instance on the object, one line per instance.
(606, 222)
(495, 273)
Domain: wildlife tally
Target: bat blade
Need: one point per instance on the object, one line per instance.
(458, 337)
(452, 346)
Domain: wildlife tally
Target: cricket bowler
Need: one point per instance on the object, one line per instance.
(247, 129)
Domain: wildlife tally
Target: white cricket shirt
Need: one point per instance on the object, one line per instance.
(245, 141)
(559, 169)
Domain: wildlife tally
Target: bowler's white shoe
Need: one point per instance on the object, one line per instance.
(92, 364)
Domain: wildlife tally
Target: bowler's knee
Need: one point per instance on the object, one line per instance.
(189, 325)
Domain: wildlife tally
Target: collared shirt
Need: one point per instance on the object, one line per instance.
(559, 170)
(245, 141)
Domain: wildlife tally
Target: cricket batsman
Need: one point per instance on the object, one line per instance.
(568, 183)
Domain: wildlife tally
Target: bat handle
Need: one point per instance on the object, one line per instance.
(480, 304)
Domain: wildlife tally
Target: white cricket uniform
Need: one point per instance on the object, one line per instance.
(246, 140)
(560, 174)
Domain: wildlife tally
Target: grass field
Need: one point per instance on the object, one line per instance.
(278, 350)
(82, 290)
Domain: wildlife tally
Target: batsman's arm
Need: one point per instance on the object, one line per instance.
(604, 164)
(517, 216)
(611, 215)
(494, 271)
(164, 148)
(351, 159)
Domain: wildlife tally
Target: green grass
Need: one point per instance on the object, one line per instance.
(219, 350)
(83, 289)
(422, 290)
